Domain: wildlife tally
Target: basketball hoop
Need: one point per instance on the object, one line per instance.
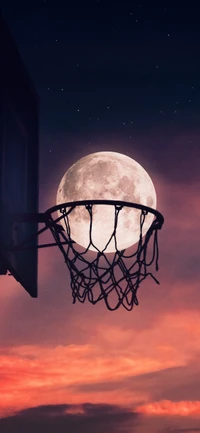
(97, 275)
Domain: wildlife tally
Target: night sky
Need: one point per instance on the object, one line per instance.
(120, 77)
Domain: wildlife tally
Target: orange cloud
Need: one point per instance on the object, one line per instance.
(34, 376)
(166, 407)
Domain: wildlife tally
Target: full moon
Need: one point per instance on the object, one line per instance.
(107, 176)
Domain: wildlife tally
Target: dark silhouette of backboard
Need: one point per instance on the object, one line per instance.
(19, 148)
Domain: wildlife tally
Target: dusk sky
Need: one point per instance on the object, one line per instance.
(115, 76)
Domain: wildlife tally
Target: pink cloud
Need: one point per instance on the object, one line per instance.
(165, 407)
(35, 375)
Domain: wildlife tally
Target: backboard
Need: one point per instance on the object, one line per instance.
(19, 163)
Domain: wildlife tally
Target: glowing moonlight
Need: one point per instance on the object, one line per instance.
(109, 176)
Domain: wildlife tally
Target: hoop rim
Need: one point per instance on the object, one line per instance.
(74, 204)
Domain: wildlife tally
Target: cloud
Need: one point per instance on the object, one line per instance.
(181, 430)
(118, 365)
(36, 375)
(87, 418)
(166, 407)
(61, 418)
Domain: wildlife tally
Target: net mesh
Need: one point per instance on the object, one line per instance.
(97, 275)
